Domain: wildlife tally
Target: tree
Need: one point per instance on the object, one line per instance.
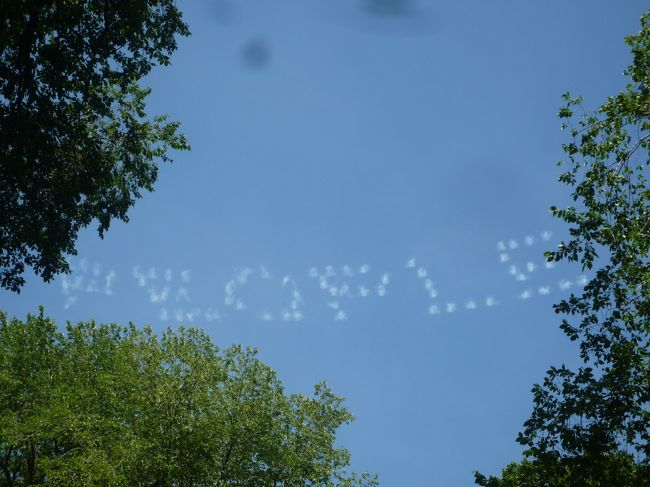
(618, 470)
(591, 426)
(113, 405)
(75, 141)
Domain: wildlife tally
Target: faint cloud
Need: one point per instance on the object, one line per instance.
(211, 314)
(108, 283)
(89, 281)
(288, 315)
(156, 296)
(450, 307)
(186, 275)
(529, 240)
(293, 313)
(364, 269)
(142, 277)
(69, 302)
(92, 287)
(526, 294)
(168, 275)
(531, 266)
(264, 273)
(471, 304)
(266, 316)
(381, 290)
(182, 294)
(340, 316)
(244, 273)
(549, 264)
(344, 290)
(546, 235)
(229, 290)
(163, 315)
(296, 299)
(422, 272)
(385, 279)
(503, 257)
(512, 270)
(512, 244)
(501, 246)
(520, 277)
(582, 280)
(490, 302)
(139, 276)
(77, 284)
(565, 284)
(410, 263)
(313, 272)
(363, 291)
(192, 315)
(240, 279)
(428, 285)
(178, 315)
(544, 290)
(434, 310)
(66, 284)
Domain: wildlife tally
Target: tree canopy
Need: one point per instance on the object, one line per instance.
(591, 426)
(76, 144)
(119, 405)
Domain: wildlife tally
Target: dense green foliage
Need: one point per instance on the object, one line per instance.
(591, 426)
(111, 405)
(75, 141)
(618, 470)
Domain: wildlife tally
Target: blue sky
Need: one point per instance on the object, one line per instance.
(366, 201)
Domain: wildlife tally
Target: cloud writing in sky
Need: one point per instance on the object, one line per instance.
(253, 289)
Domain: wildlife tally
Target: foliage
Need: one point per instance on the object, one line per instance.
(618, 470)
(75, 141)
(113, 405)
(591, 426)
